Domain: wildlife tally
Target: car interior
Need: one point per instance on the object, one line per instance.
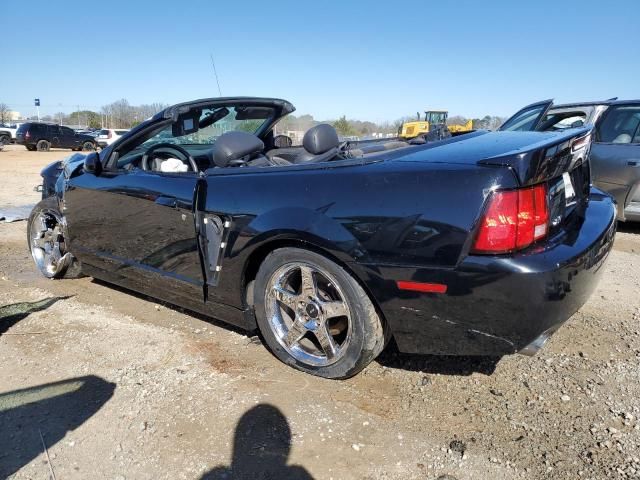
(229, 137)
(621, 125)
(557, 121)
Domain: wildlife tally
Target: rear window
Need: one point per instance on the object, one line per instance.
(23, 128)
(104, 132)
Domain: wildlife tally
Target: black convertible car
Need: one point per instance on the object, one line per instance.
(480, 244)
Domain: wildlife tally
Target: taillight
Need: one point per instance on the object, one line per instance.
(580, 143)
(27, 135)
(513, 220)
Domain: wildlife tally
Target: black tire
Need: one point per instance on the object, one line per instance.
(43, 146)
(367, 337)
(5, 139)
(49, 208)
(88, 147)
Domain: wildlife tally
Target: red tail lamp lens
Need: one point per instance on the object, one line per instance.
(513, 220)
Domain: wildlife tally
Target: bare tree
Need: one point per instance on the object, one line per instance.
(456, 120)
(5, 113)
(121, 114)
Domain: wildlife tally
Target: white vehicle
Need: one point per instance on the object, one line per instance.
(109, 135)
(8, 133)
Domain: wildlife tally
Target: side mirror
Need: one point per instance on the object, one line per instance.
(92, 164)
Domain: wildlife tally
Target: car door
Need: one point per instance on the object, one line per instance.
(615, 157)
(53, 135)
(527, 118)
(138, 228)
(68, 139)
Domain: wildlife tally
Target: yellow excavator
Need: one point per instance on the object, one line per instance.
(433, 121)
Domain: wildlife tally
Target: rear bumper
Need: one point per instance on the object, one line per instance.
(497, 305)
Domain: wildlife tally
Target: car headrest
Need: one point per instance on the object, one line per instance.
(320, 139)
(234, 145)
(622, 138)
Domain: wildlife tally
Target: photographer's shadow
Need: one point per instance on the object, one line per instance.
(260, 449)
(34, 419)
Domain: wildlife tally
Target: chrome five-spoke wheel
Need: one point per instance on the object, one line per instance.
(314, 315)
(308, 314)
(47, 243)
(46, 237)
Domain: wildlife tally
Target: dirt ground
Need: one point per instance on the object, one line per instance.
(125, 387)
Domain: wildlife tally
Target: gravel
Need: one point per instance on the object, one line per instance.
(186, 386)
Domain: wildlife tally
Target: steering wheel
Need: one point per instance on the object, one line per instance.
(144, 163)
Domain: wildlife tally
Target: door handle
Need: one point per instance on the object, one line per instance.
(167, 201)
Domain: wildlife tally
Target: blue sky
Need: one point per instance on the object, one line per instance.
(364, 59)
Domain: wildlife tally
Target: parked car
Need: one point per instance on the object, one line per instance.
(91, 133)
(480, 244)
(44, 136)
(8, 133)
(615, 153)
(107, 136)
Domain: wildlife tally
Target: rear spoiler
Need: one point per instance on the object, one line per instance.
(547, 158)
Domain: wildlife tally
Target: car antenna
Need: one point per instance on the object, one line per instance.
(215, 72)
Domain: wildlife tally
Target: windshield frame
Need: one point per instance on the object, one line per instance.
(167, 117)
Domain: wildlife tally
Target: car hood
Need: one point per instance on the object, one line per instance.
(71, 163)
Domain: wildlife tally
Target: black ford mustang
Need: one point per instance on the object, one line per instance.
(481, 244)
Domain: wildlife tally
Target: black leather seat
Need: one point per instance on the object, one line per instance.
(320, 144)
(236, 148)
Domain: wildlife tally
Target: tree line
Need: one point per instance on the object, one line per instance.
(118, 114)
(348, 127)
(121, 114)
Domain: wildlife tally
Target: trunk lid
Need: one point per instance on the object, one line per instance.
(547, 156)
(558, 159)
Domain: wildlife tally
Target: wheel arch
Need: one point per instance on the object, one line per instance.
(259, 253)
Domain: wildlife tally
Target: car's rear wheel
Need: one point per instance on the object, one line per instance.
(88, 147)
(43, 146)
(314, 315)
(47, 242)
(5, 139)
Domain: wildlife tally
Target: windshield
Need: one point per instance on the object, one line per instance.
(211, 123)
(436, 117)
(214, 122)
(525, 120)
